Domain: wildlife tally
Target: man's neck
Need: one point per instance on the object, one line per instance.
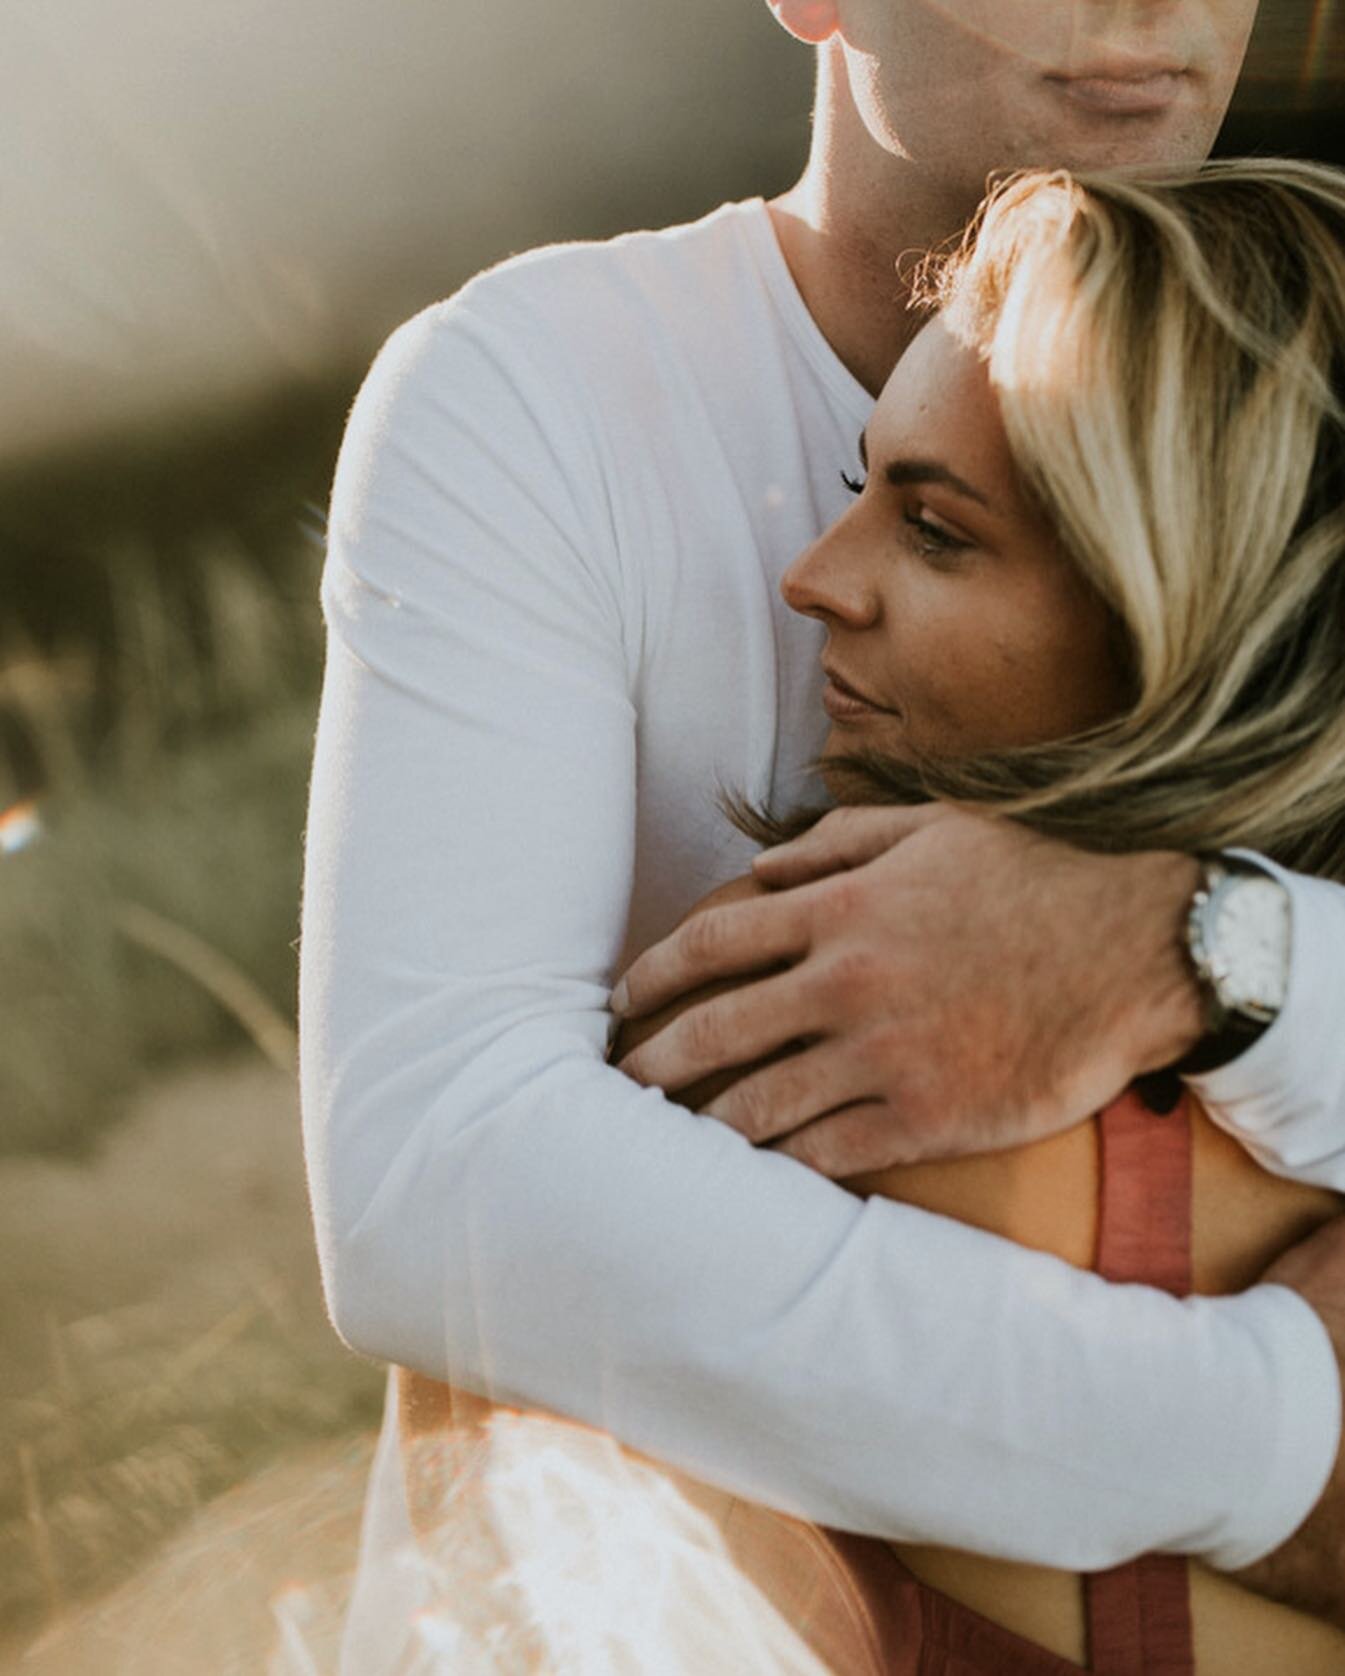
(844, 227)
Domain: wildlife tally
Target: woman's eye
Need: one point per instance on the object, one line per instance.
(932, 540)
(854, 484)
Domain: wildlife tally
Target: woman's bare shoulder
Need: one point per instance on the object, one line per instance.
(741, 889)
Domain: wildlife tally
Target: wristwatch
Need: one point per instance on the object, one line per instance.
(1239, 934)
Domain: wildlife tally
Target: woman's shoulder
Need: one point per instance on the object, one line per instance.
(741, 889)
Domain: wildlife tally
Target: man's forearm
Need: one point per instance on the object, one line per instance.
(1308, 1570)
(582, 1246)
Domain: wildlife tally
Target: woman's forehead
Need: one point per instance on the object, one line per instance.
(939, 406)
(938, 385)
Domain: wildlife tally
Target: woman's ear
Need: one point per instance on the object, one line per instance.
(814, 21)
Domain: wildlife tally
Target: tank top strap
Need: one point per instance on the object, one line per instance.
(1139, 1615)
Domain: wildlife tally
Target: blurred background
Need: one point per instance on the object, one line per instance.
(211, 217)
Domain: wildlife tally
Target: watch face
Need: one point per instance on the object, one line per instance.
(1251, 937)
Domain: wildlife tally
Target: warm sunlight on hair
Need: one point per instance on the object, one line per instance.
(1165, 350)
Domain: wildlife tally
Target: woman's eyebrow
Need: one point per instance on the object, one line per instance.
(899, 472)
(904, 471)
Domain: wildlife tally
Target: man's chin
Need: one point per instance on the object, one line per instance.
(1086, 141)
(1177, 140)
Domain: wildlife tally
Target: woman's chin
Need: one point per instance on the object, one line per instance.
(845, 785)
(881, 734)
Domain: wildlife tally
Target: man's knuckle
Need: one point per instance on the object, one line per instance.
(828, 1156)
(844, 895)
(702, 1034)
(804, 1149)
(751, 1114)
(703, 938)
(853, 970)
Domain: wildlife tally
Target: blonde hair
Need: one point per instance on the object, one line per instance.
(1169, 357)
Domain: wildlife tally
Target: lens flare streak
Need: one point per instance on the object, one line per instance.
(1320, 36)
(550, 1550)
(20, 827)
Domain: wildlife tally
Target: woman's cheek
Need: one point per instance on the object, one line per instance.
(988, 674)
(945, 688)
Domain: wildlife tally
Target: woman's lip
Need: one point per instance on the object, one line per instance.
(1143, 93)
(842, 703)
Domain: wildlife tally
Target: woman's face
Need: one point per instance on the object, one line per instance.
(955, 622)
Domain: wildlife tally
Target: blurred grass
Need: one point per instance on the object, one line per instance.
(142, 1428)
(159, 665)
(160, 657)
(207, 839)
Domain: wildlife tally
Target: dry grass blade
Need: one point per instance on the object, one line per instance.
(218, 1338)
(272, 1034)
(43, 1549)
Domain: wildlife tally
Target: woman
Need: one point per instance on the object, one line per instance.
(1095, 579)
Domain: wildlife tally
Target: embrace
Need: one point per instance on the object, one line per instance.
(1066, 971)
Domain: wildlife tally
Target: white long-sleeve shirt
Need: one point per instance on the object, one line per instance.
(562, 508)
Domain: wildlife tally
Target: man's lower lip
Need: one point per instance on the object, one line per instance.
(1136, 96)
(842, 706)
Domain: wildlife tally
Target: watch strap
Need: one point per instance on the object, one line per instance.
(1221, 1046)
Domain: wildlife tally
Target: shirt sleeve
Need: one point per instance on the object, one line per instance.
(496, 1206)
(1284, 1098)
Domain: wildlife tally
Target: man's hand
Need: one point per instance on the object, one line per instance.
(953, 984)
(1308, 1571)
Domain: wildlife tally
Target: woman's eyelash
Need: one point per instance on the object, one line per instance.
(931, 538)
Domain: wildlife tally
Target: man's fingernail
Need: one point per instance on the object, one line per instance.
(620, 999)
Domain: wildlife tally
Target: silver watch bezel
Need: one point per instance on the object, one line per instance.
(1220, 877)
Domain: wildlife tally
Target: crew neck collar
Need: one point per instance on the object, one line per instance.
(756, 222)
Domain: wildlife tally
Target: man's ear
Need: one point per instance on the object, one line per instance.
(814, 21)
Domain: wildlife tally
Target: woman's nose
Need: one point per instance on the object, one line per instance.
(830, 579)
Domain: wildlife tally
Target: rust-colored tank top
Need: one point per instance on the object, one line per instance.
(1138, 1615)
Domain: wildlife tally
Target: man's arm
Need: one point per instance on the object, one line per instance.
(1059, 975)
(496, 1206)
(1308, 1571)
(1284, 1098)
(961, 983)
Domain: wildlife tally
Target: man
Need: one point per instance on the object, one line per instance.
(563, 505)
